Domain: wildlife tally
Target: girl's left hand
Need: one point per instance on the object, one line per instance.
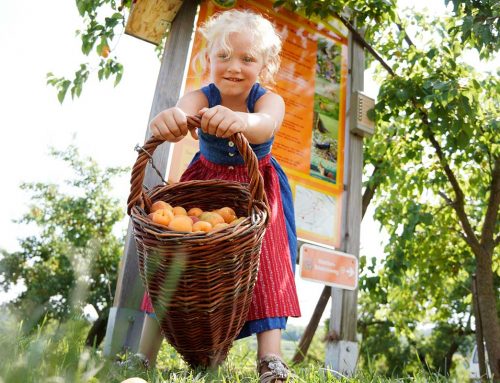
(221, 121)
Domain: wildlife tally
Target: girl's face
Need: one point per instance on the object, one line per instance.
(234, 73)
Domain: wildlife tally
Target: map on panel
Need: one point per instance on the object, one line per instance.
(313, 211)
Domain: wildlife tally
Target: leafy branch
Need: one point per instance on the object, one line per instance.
(97, 37)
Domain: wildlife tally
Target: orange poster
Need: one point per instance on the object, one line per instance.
(310, 143)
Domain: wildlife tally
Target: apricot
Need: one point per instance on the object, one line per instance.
(179, 210)
(237, 221)
(105, 51)
(220, 226)
(202, 226)
(227, 213)
(160, 205)
(211, 217)
(195, 211)
(181, 223)
(162, 216)
(194, 218)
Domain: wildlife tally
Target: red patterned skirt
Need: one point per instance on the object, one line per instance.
(275, 293)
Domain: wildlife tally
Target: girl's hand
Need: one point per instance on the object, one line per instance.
(169, 125)
(221, 121)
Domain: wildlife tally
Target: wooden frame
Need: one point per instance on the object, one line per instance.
(149, 19)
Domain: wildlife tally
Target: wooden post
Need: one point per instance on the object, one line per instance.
(342, 348)
(125, 319)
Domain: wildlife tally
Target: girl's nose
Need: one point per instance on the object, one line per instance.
(234, 66)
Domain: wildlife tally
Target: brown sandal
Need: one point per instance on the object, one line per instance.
(275, 370)
(135, 362)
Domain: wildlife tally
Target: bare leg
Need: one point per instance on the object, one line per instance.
(269, 342)
(151, 339)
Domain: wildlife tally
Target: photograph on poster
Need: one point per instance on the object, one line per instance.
(325, 139)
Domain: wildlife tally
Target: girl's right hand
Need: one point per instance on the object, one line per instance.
(169, 125)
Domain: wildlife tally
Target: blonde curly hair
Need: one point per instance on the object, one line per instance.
(266, 41)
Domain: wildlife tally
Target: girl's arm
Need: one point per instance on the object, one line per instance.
(266, 120)
(171, 124)
(192, 102)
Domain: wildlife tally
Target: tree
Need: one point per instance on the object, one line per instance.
(436, 164)
(73, 260)
(101, 19)
(439, 193)
(480, 27)
(398, 299)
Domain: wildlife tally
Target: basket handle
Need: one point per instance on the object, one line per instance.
(256, 185)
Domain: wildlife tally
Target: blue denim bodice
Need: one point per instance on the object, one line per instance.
(222, 150)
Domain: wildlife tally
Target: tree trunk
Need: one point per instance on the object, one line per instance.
(97, 331)
(448, 359)
(305, 340)
(479, 331)
(487, 306)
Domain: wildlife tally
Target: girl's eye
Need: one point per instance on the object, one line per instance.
(223, 56)
(248, 59)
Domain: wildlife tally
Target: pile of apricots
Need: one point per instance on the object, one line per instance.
(177, 218)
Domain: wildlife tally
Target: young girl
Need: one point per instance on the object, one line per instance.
(242, 49)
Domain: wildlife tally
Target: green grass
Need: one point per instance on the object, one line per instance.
(56, 353)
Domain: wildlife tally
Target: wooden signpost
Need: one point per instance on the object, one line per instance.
(342, 349)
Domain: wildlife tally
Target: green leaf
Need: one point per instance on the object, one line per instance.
(63, 89)
(402, 94)
(119, 74)
(431, 53)
(82, 7)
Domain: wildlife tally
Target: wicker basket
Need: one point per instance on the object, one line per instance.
(200, 285)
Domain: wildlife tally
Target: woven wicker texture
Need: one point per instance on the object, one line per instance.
(200, 285)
